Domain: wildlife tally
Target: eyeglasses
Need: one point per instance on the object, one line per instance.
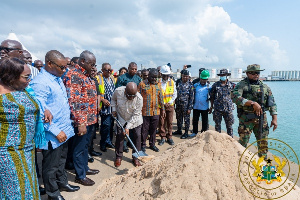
(131, 95)
(107, 70)
(254, 73)
(27, 77)
(6, 49)
(61, 67)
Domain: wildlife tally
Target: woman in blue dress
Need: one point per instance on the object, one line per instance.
(18, 119)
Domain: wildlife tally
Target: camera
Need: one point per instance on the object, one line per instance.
(188, 66)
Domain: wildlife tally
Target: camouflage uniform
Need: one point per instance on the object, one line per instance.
(248, 121)
(184, 102)
(223, 105)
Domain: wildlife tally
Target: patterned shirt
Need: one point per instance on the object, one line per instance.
(82, 96)
(109, 90)
(152, 98)
(126, 78)
(185, 95)
(221, 96)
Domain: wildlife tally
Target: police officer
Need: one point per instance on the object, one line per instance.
(248, 95)
(220, 98)
(184, 103)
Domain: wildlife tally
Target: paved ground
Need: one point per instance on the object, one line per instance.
(105, 164)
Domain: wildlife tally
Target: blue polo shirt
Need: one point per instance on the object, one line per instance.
(201, 92)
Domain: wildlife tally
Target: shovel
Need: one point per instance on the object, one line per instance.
(137, 154)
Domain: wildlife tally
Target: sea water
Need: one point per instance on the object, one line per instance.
(286, 95)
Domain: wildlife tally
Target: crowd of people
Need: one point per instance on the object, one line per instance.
(56, 107)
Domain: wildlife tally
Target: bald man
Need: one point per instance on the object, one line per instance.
(14, 49)
(127, 106)
(82, 95)
(11, 49)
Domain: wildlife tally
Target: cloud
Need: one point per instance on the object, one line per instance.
(150, 33)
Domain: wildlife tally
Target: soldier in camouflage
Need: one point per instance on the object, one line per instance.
(184, 104)
(220, 98)
(248, 95)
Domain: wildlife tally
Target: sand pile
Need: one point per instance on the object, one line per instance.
(205, 167)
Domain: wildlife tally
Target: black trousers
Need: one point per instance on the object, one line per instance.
(92, 136)
(54, 174)
(136, 132)
(149, 127)
(204, 118)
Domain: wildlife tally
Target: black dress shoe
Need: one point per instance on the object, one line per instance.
(110, 146)
(161, 142)
(69, 188)
(170, 141)
(42, 190)
(103, 149)
(129, 145)
(56, 198)
(92, 172)
(95, 153)
(177, 132)
(143, 149)
(69, 166)
(184, 136)
(126, 150)
(90, 159)
(85, 181)
(154, 148)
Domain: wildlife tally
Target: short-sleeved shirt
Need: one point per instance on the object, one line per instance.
(82, 95)
(201, 101)
(126, 78)
(152, 98)
(109, 90)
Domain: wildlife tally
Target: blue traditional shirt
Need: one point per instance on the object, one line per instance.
(51, 93)
(221, 96)
(109, 90)
(201, 101)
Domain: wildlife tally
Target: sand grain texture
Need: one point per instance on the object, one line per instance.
(205, 167)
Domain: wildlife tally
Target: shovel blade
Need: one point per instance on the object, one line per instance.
(140, 154)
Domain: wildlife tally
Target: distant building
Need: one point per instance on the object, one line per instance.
(286, 75)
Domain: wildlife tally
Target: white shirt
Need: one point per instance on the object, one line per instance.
(129, 111)
(34, 70)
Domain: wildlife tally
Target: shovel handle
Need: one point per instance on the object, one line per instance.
(120, 125)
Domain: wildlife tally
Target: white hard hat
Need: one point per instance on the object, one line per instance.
(165, 70)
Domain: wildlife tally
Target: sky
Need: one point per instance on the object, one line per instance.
(203, 33)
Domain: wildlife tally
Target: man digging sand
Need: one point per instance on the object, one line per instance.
(127, 106)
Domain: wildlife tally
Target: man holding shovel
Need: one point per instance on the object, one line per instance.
(127, 104)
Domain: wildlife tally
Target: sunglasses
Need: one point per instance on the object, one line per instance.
(61, 67)
(107, 70)
(27, 77)
(6, 49)
(131, 95)
(254, 73)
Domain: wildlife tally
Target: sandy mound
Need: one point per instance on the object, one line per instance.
(205, 167)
